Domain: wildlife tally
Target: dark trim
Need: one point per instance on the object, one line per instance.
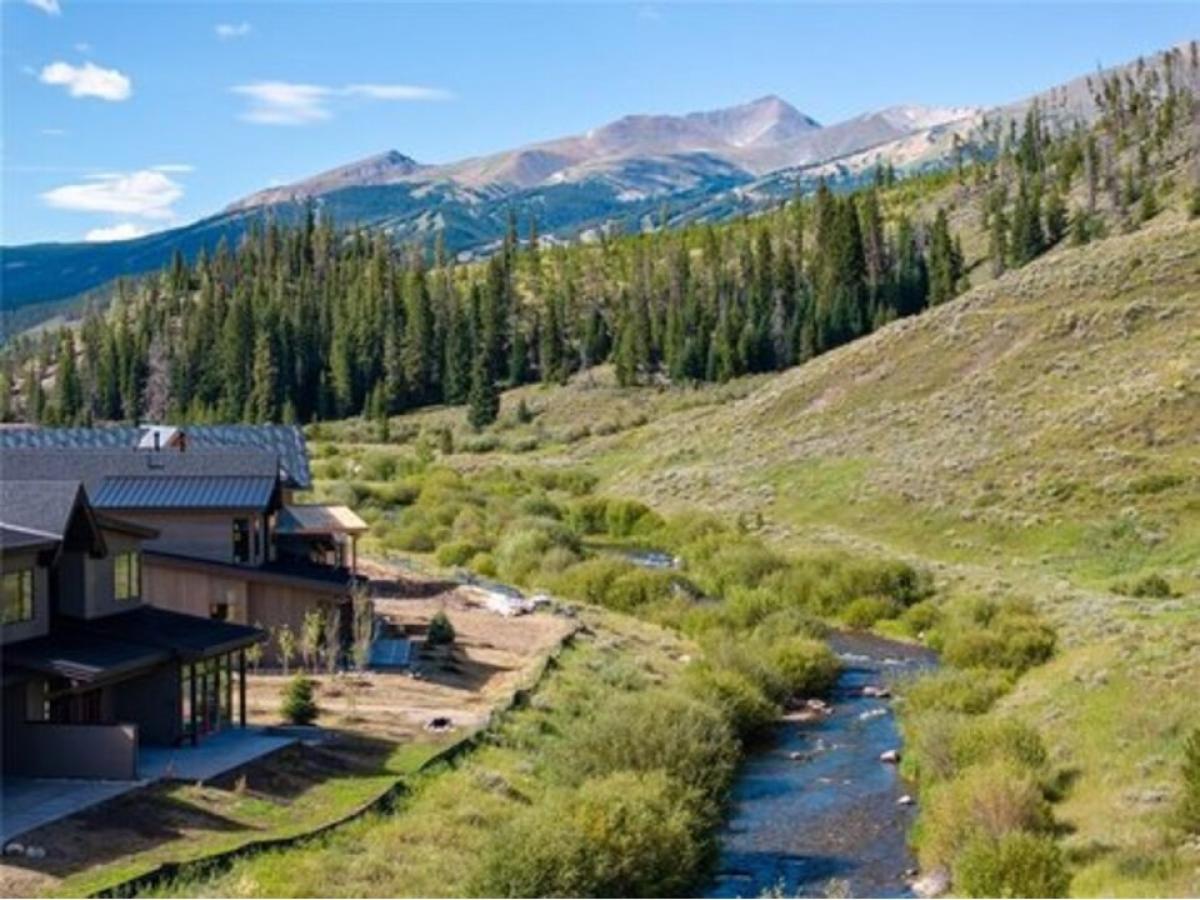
(124, 526)
(255, 573)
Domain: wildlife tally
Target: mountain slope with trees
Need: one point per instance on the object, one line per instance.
(302, 323)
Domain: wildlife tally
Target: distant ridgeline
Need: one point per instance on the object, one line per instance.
(305, 322)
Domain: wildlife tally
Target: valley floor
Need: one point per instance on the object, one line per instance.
(1036, 437)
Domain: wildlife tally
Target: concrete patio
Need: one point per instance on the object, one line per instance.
(28, 803)
(214, 755)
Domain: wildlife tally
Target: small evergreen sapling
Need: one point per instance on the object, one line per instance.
(299, 705)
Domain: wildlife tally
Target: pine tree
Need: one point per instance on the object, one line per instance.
(1056, 218)
(262, 403)
(68, 392)
(945, 261)
(484, 400)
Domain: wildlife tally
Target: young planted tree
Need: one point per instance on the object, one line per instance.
(285, 642)
(311, 630)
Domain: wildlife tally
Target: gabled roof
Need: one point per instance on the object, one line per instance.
(93, 467)
(57, 510)
(183, 492)
(284, 442)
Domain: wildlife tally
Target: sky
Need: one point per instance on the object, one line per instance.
(123, 118)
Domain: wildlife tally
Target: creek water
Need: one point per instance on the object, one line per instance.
(813, 810)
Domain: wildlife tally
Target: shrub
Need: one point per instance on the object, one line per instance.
(540, 506)
(299, 706)
(588, 515)
(484, 564)
(1153, 585)
(638, 587)
(627, 834)
(983, 634)
(987, 801)
(970, 691)
(658, 729)
(1018, 864)
(413, 538)
(920, 617)
(377, 466)
(866, 611)
(624, 517)
(749, 711)
(456, 553)
(928, 746)
(519, 553)
(591, 580)
(1189, 801)
(803, 666)
(987, 740)
(440, 631)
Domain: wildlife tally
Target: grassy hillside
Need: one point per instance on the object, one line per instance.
(1035, 437)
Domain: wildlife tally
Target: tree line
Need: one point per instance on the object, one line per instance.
(312, 322)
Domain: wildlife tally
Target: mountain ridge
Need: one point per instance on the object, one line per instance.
(698, 166)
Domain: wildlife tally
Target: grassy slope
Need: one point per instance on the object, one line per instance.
(432, 845)
(1037, 436)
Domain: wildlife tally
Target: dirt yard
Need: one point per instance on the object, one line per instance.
(373, 729)
(490, 658)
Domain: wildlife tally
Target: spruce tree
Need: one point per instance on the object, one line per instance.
(68, 392)
(484, 399)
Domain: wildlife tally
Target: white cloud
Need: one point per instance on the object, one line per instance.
(121, 232)
(396, 92)
(54, 132)
(146, 193)
(180, 168)
(289, 103)
(83, 47)
(88, 80)
(284, 103)
(49, 7)
(228, 31)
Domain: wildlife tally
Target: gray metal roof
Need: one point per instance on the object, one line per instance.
(285, 442)
(94, 466)
(185, 492)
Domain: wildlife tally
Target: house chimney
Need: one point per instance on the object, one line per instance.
(183, 442)
(157, 440)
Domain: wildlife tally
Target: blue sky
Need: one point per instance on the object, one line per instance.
(122, 118)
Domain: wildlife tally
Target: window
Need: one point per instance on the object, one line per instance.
(127, 575)
(18, 596)
(219, 611)
(241, 540)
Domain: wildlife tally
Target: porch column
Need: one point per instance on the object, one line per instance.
(242, 687)
(353, 554)
(194, 723)
(228, 689)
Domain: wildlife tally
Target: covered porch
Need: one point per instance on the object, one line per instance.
(321, 533)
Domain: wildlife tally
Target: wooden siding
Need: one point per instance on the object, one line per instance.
(195, 533)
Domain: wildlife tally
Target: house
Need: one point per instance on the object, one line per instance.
(230, 542)
(91, 671)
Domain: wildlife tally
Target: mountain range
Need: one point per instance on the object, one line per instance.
(700, 166)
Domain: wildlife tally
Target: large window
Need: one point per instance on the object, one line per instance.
(241, 540)
(18, 596)
(127, 575)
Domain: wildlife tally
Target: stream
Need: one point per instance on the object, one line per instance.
(827, 822)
